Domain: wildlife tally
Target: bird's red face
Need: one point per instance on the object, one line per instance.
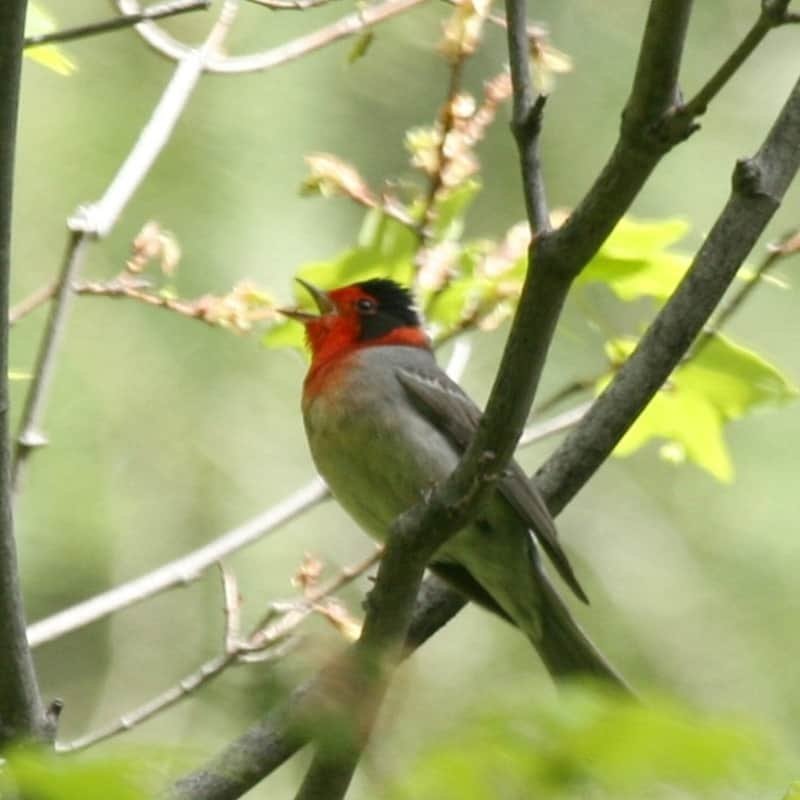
(366, 314)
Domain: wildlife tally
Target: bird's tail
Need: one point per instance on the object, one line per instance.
(564, 648)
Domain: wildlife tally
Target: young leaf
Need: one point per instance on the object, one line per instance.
(721, 383)
(633, 262)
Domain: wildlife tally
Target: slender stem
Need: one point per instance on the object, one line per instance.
(29, 304)
(772, 14)
(21, 712)
(179, 572)
(285, 729)
(721, 318)
(30, 434)
(162, 10)
(527, 117)
(537, 431)
(265, 634)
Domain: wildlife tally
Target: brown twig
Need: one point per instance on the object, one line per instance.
(31, 303)
(268, 636)
(231, 311)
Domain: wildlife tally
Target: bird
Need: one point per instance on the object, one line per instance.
(385, 424)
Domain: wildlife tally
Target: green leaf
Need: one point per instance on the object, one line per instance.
(721, 383)
(634, 263)
(38, 22)
(32, 773)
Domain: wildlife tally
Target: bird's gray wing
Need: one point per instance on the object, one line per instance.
(451, 410)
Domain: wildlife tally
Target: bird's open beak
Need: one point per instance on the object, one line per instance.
(324, 304)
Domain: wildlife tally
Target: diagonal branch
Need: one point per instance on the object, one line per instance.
(286, 728)
(759, 184)
(21, 711)
(160, 11)
(773, 13)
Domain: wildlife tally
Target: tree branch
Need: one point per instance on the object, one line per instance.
(759, 184)
(269, 634)
(162, 10)
(270, 742)
(179, 572)
(21, 711)
(644, 139)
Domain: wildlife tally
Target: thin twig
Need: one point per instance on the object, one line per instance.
(527, 118)
(773, 13)
(30, 434)
(446, 122)
(160, 11)
(96, 220)
(31, 303)
(267, 635)
(537, 431)
(22, 715)
(179, 572)
(788, 246)
(351, 25)
(284, 730)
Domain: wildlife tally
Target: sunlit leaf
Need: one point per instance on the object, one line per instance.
(31, 773)
(721, 383)
(38, 22)
(633, 262)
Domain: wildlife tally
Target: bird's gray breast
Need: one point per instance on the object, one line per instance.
(375, 451)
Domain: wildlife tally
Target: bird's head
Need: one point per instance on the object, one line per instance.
(365, 314)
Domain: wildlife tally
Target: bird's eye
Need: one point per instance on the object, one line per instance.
(366, 306)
